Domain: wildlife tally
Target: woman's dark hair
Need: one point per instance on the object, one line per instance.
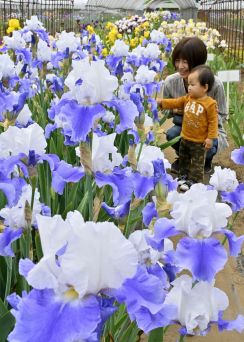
(191, 49)
(205, 75)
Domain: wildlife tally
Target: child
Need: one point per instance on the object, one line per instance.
(200, 125)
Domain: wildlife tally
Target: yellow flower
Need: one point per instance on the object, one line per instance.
(13, 24)
(132, 43)
(105, 52)
(119, 36)
(146, 34)
(141, 39)
(137, 30)
(90, 29)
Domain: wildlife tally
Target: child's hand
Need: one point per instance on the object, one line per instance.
(208, 143)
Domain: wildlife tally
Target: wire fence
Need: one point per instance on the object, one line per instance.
(56, 15)
(228, 18)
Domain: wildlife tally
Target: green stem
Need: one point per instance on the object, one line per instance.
(9, 263)
(90, 196)
(140, 150)
(230, 226)
(127, 227)
(182, 337)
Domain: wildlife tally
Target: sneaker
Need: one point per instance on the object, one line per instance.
(175, 166)
(181, 180)
(186, 186)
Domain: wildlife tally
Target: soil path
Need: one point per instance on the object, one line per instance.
(231, 279)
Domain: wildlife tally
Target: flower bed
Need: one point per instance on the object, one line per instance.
(87, 205)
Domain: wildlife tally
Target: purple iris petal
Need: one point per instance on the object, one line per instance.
(8, 165)
(113, 62)
(117, 212)
(65, 173)
(7, 102)
(142, 185)
(14, 300)
(127, 112)
(235, 243)
(52, 159)
(237, 324)
(79, 119)
(121, 183)
(238, 155)
(42, 317)
(204, 258)
(6, 238)
(49, 129)
(148, 213)
(24, 55)
(154, 108)
(235, 198)
(135, 135)
(161, 176)
(144, 296)
(137, 100)
(150, 88)
(163, 228)
(11, 189)
(148, 321)
(25, 265)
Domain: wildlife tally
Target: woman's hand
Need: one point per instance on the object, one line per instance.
(208, 143)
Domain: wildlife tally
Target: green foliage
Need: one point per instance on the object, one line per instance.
(236, 115)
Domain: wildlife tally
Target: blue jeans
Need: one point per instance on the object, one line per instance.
(175, 131)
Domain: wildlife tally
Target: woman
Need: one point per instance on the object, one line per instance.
(187, 54)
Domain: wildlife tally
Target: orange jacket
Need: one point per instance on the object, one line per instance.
(200, 120)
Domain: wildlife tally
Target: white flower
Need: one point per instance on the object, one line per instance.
(97, 256)
(224, 179)
(7, 68)
(15, 42)
(120, 48)
(104, 154)
(108, 117)
(127, 77)
(144, 75)
(138, 51)
(97, 84)
(24, 115)
(67, 40)
(34, 24)
(152, 51)
(147, 156)
(156, 35)
(14, 217)
(146, 253)
(44, 52)
(198, 305)
(196, 211)
(22, 140)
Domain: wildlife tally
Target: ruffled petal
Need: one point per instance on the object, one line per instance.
(235, 243)
(6, 238)
(148, 213)
(121, 183)
(204, 258)
(42, 317)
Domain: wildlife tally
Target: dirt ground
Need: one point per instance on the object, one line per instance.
(231, 279)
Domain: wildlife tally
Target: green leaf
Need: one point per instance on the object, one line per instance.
(3, 308)
(169, 143)
(156, 335)
(83, 203)
(6, 323)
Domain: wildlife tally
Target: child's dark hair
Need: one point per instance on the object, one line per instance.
(205, 75)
